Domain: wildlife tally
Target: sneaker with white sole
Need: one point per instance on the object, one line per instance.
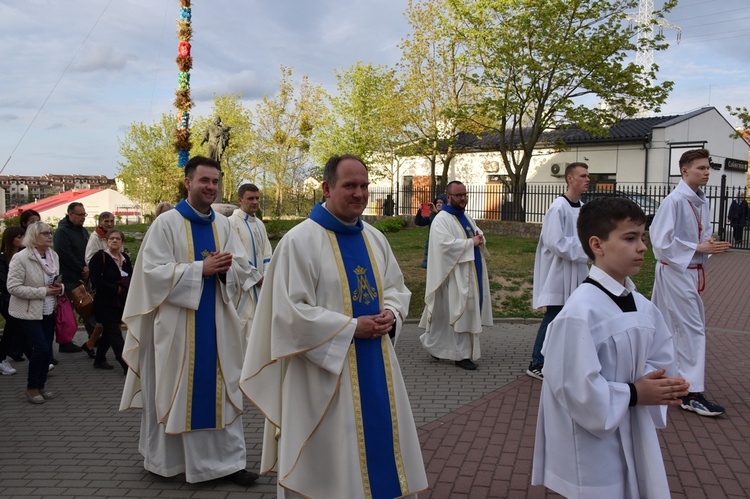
(697, 403)
(6, 369)
(535, 372)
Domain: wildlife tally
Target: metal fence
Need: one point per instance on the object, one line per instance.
(501, 202)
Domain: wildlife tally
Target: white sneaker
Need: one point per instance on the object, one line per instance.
(6, 369)
(51, 366)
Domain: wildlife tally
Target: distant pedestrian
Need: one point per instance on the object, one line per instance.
(608, 373)
(682, 240)
(162, 207)
(28, 217)
(97, 241)
(739, 216)
(421, 221)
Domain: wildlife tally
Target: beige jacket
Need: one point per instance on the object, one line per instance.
(26, 285)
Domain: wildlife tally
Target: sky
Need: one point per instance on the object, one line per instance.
(75, 74)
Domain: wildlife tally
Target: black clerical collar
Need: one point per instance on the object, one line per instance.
(577, 204)
(626, 303)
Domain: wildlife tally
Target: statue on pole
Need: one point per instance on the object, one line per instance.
(217, 135)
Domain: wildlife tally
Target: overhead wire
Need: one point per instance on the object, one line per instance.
(59, 79)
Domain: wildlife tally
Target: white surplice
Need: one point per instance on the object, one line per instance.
(452, 318)
(560, 262)
(589, 442)
(297, 369)
(254, 238)
(674, 235)
(166, 287)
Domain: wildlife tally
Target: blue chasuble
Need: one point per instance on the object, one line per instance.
(205, 378)
(469, 230)
(371, 376)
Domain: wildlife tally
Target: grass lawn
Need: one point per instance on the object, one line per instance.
(510, 267)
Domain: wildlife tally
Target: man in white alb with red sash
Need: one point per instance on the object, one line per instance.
(682, 240)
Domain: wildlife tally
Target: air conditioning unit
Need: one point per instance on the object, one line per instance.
(555, 170)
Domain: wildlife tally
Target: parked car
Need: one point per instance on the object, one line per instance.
(648, 204)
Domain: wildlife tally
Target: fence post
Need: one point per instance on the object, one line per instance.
(723, 208)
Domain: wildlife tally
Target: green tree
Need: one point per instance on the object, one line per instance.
(742, 114)
(366, 118)
(438, 96)
(237, 162)
(149, 168)
(538, 59)
(282, 129)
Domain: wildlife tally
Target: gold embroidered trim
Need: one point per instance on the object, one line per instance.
(190, 333)
(357, 400)
(384, 342)
(342, 272)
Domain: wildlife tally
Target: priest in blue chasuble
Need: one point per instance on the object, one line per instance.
(184, 338)
(457, 298)
(321, 364)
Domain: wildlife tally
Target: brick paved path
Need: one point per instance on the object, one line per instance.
(476, 427)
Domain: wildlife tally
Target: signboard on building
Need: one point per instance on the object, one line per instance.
(735, 165)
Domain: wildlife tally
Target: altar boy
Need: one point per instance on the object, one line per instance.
(608, 371)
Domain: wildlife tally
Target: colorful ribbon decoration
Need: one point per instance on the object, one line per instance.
(183, 102)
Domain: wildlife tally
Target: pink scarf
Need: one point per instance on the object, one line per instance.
(47, 263)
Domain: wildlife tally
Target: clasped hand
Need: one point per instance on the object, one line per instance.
(656, 389)
(374, 326)
(217, 262)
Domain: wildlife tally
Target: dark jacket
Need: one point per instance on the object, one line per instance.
(4, 295)
(738, 213)
(111, 288)
(70, 245)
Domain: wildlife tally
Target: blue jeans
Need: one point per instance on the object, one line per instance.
(537, 359)
(40, 334)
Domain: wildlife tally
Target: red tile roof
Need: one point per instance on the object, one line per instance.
(64, 198)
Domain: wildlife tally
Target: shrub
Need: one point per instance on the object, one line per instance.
(390, 224)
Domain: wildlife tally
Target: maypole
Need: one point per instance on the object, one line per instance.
(182, 102)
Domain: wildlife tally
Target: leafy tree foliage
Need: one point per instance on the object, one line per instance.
(538, 59)
(439, 98)
(366, 118)
(148, 168)
(283, 126)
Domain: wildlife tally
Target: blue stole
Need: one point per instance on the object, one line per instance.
(254, 260)
(372, 378)
(205, 380)
(461, 216)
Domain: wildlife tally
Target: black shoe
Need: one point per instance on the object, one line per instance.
(466, 364)
(17, 357)
(54, 361)
(88, 350)
(69, 348)
(242, 477)
(103, 365)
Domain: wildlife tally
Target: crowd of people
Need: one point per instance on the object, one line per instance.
(308, 332)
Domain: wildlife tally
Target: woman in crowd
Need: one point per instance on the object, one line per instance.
(12, 243)
(33, 286)
(28, 217)
(162, 207)
(435, 207)
(110, 270)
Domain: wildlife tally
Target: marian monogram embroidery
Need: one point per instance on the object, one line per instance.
(205, 254)
(470, 231)
(365, 292)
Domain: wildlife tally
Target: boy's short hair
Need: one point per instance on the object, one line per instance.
(572, 166)
(246, 187)
(600, 217)
(691, 155)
